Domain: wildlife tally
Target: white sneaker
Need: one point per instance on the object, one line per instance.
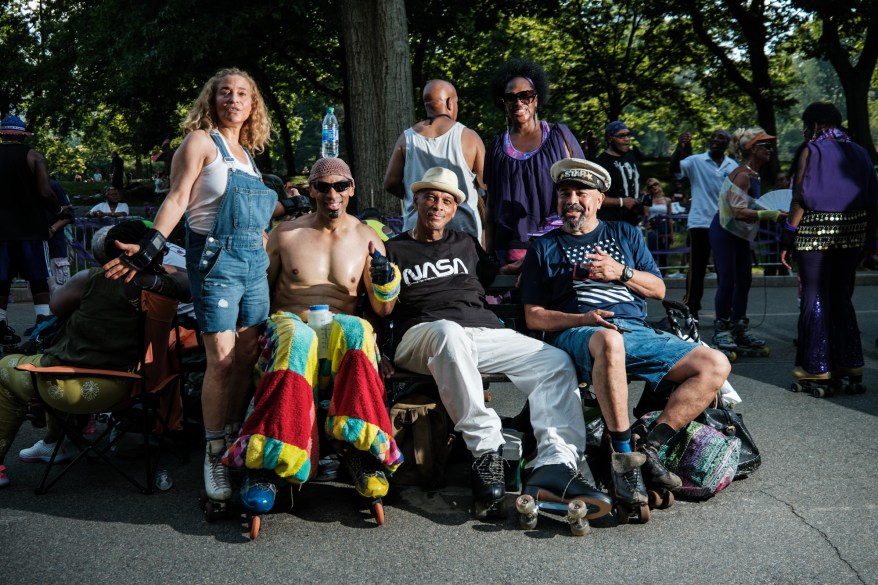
(216, 478)
(710, 276)
(41, 452)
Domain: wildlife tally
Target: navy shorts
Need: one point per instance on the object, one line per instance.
(24, 258)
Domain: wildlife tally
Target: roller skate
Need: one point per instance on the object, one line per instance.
(817, 385)
(660, 481)
(626, 485)
(217, 488)
(849, 379)
(748, 344)
(257, 496)
(488, 479)
(560, 489)
(368, 477)
(724, 339)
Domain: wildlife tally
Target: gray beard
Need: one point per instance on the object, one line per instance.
(334, 214)
(577, 224)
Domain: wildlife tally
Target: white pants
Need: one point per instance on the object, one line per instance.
(456, 355)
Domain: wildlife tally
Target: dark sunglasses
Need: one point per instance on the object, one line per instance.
(524, 97)
(324, 187)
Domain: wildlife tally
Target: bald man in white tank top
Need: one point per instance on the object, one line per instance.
(439, 141)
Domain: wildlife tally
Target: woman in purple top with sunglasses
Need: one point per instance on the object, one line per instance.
(832, 223)
(521, 194)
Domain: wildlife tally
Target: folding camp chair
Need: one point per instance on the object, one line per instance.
(146, 400)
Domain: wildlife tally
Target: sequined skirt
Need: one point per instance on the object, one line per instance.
(831, 230)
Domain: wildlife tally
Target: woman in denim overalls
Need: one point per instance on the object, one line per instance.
(214, 181)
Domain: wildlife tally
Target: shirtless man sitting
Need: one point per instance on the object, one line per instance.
(324, 258)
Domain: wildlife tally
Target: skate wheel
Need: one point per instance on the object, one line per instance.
(576, 512)
(525, 504)
(858, 388)
(660, 499)
(527, 510)
(378, 513)
(818, 392)
(765, 352)
(732, 356)
(254, 523)
(796, 387)
(643, 514)
(527, 521)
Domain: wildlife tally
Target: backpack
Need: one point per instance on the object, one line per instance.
(423, 432)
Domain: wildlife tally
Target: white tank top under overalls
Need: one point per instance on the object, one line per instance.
(209, 188)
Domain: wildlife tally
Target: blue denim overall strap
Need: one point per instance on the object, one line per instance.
(244, 211)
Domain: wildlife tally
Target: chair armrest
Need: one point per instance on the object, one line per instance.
(75, 371)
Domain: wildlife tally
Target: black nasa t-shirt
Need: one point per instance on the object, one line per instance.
(441, 280)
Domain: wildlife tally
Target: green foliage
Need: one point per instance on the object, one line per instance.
(92, 77)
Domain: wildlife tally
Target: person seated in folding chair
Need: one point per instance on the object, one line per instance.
(586, 284)
(101, 315)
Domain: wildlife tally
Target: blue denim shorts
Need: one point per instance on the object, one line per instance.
(649, 354)
(231, 290)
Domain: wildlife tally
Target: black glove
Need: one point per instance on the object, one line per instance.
(152, 246)
(381, 268)
(296, 205)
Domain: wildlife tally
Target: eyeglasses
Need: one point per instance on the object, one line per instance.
(524, 97)
(623, 135)
(324, 187)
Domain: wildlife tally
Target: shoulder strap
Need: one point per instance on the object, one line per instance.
(221, 145)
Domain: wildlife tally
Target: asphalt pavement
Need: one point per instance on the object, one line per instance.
(808, 515)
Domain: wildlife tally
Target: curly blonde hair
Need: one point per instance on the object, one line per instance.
(256, 131)
(740, 138)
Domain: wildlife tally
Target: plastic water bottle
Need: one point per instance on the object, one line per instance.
(320, 320)
(329, 148)
(163, 480)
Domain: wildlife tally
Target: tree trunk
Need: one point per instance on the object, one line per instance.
(378, 93)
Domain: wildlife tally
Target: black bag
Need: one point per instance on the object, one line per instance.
(730, 423)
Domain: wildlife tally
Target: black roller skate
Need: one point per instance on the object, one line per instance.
(748, 344)
(558, 488)
(660, 482)
(489, 485)
(627, 486)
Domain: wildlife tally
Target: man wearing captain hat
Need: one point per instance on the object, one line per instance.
(442, 328)
(586, 284)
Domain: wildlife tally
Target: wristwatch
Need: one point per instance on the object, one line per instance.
(627, 274)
